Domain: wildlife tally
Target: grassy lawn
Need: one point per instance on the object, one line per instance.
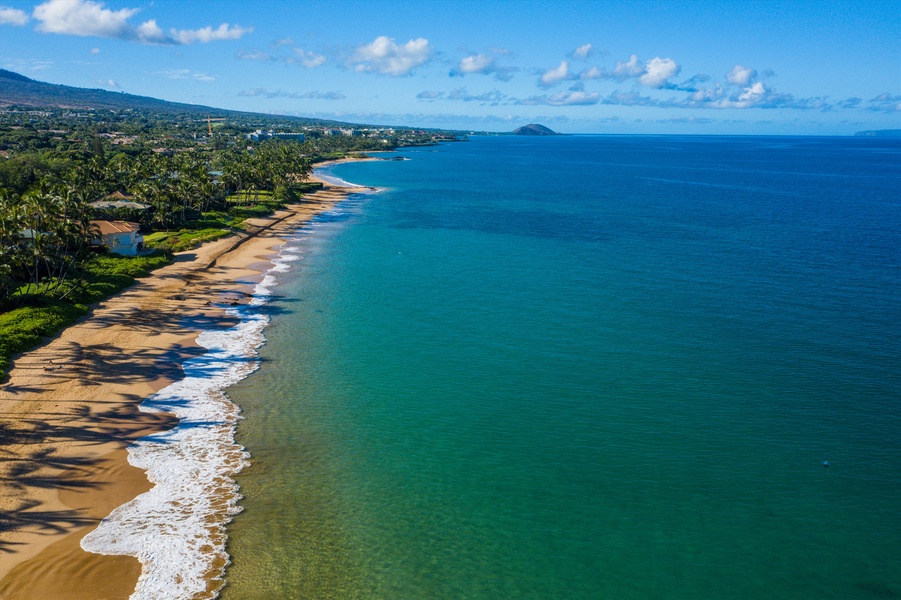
(211, 226)
(251, 196)
(185, 239)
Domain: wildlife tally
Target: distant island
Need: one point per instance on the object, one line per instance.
(881, 133)
(534, 129)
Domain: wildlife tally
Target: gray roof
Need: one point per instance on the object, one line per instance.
(119, 204)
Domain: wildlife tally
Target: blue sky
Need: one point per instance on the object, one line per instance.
(717, 67)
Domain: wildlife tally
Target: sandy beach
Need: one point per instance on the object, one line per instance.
(69, 409)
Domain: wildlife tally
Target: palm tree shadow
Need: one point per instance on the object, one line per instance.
(32, 460)
(42, 522)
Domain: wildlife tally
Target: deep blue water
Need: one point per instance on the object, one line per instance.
(586, 367)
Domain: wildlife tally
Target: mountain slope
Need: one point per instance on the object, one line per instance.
(19, 90)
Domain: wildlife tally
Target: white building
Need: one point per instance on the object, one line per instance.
(259, 135)
(120, 237)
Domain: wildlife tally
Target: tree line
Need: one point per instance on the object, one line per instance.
(45, 214)
(54, 163)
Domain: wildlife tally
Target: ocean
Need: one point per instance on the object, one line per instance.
(583, 367)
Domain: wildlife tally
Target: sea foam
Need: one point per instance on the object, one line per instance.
(177, 529)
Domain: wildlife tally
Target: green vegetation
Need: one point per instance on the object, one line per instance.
(247, 197)
(185, 239)
(184, 183)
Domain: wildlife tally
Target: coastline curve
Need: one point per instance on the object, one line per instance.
(177, 529)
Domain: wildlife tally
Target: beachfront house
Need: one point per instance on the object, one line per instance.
(121, 237)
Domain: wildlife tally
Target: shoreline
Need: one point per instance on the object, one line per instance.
(65, 425)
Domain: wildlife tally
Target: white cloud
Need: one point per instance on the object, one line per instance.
(653, 73)
(703, 94)
(885, 102)
(657, 71)
(317, 95)
(151, 33)
(384, 56)
(429, 95)
(555, 75)
(82, 17)
(493, 97)
(756, 96)
(753, 94)
(688, 120)
(740, 75)
(631, 68)
(314, 95)
(208, 34)
(574, 98)
(186, 74)
(477, 63)
(108, 83)
(308, 58)
(252, 55)
(570, 98)
(95, 51)
(12, 16)
(582, 52)
(92, 19)
(483, 64)
(27, 64)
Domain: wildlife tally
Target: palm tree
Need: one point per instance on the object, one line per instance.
(120, 169)
(59, 224)
(11, 227)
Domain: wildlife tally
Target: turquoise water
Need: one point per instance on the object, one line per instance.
(585, 367)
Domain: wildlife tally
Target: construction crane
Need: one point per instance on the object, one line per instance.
(209, 123)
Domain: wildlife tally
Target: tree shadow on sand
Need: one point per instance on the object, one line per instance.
(42, 469)
(46, 522)
(174, 319)
(31, 456)
(103, 364)
(31, 460)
